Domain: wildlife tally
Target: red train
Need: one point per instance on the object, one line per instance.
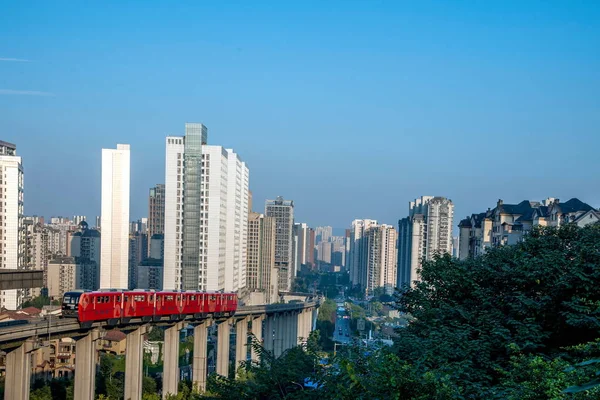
(119, 306)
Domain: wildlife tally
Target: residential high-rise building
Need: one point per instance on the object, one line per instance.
(381, 259)
(323, 234)
(426, 232)
(310, 251)
(324, 251)
(237, 221)
(283, 212)
(62, 276)
(261, 272)
(41, 245)
(358, 254)
(303, 250)
(206, 213)
(86, 250)
(138, 252)
(338, 256)
(12, 241)
(78, 218)
(150, 270)
(156, 212)
(115, 217)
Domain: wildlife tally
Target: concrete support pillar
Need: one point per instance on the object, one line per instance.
(279, 326)
(307, 323)
(294, 327)
(288, 331)
(199, 366)
(268, 334)
(241, 342)
(301, 327)
(257, 332)
(18, 372)
(134, 363)
(85, 366)
(171, 363)
(223, 333)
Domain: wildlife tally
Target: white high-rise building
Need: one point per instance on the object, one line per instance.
(237, 221)
(382, 259)
(359, 251)
(12, 240)
(205, 225)
(426, 232)
(114, 258)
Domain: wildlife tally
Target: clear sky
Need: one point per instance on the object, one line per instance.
(350, 108)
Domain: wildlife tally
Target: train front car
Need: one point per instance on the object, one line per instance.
(70, 303)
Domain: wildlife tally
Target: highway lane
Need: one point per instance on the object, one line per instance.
(342, 333)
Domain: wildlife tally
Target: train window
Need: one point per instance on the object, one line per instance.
(157, 298)
(106, 300)
(168, 297)
(192, 297)
(126, 298)
(138, 298)
(151, 298)
(177, 298)
(118, 299)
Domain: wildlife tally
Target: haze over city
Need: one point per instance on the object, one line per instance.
(351, 109)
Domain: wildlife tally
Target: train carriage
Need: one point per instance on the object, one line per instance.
(120, 306)
(138, 304)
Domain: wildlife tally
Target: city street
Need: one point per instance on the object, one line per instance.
(341, 333)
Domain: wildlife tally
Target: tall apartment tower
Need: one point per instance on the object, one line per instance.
(323, 234)
(283, 212)
(206, 214)
(426, 231)
(358, 254)
(86, 250)
(156, 212)
(114, 255)
(302, 246)
(12, 241)
(381, 259)
(261, 272)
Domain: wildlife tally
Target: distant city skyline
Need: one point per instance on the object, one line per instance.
(348, 125)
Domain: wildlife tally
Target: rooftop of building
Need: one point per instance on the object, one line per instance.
(114, 335)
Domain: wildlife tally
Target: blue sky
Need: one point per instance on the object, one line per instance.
(350, 108)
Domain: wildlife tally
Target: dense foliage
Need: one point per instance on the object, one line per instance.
(517, 323)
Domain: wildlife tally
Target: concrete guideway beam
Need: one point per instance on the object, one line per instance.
(18, 371)
(85, 366)
(199, 363)
(134, 363)
(171, 361)
(223, 334)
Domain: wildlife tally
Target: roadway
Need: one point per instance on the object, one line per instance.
(341, 332)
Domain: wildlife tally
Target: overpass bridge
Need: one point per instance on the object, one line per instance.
(278, 326)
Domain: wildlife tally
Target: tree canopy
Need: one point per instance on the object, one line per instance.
(520, 322)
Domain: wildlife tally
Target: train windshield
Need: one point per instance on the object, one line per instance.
(71, 298)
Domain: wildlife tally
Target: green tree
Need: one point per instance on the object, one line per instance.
(43, 393)
(272, 377)
(37, 302)
(148, 385)
(538, 297)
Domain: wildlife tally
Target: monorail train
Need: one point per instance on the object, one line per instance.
(120, 306)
